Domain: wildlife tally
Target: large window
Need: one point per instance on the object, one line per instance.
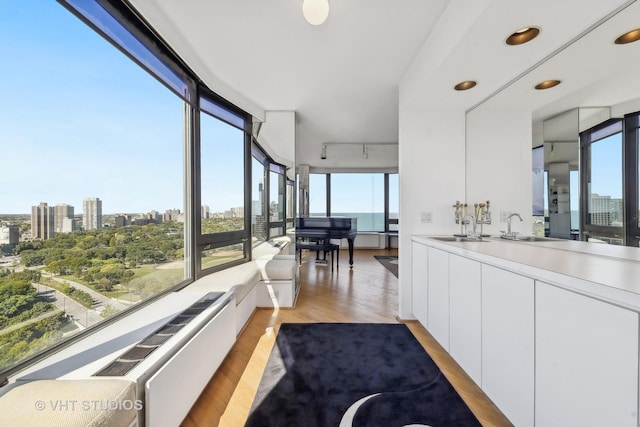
(270, 196)
(359, 195)
(258, 197)
(223, 149)
(92, 177)
(276, 199)
(318, 194)
(603, 189)
(124, 180)
(394, 201)
(611, 181)
(372, 198)
(290, 204)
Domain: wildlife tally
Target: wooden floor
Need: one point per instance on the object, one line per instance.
(368, 293)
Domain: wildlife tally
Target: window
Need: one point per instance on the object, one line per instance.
(93, 178)
(258, 196)
(318, 194)
(359, 195)
(221, 176)
(574, 191)
(394, 201)
(276, 200)
(223, 148)
(632, 178)
(270, 196)
(290, 204)
(603, 190)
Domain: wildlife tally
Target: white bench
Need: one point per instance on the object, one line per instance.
(267, 282)
(70, 403)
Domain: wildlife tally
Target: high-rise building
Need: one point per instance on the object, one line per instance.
(42, 222)
(60, 213)
(206, 212)
(173, 215)
(69, 225)
(92, 213)
(605, 210)
(122, 220)
(9, 234)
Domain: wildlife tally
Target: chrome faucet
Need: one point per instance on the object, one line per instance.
(470, 219)
(509, 233)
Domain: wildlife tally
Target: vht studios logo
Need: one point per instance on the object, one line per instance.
(88, 405)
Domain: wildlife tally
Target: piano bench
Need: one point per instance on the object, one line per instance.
(319, 247)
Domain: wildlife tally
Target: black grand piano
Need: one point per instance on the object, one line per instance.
(323, 228)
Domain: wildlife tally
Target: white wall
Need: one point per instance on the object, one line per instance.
(499, 167)
(432, 176)
(445, 156)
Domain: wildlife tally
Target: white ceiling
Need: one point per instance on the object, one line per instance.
(342, 78)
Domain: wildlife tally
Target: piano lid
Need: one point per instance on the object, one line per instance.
(327, 223)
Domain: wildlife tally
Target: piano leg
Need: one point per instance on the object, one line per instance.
(350, 241)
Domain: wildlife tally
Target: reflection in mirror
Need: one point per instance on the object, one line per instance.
(561, 163)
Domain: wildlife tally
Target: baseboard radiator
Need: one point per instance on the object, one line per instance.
(170, 377)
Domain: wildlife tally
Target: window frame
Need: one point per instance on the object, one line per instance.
(631, 177)
(587, 139)
(270, 165)
(388, 222)
(217, 240)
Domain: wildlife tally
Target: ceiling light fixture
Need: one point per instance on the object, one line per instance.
(547, 84)
(315, 11)
(628, 37)
(323, 154)
(522, 36)
(365, 152)
(465, 85)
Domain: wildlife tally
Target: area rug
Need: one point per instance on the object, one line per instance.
(347, 374)
(390, 263)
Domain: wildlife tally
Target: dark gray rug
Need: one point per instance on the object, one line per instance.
(389, 262)
(346, 374)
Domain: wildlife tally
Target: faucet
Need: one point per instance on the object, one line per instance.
(509, 233)
(470, 219)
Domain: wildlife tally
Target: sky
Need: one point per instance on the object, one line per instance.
(79, 119)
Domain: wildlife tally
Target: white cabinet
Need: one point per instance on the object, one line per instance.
(465, 344)
(508, 343)
(586, 361)
(419, 282)
(438, 296)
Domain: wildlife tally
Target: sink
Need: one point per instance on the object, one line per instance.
(531, 239)
(456, 239)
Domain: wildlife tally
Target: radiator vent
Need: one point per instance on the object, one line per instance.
(132, 357)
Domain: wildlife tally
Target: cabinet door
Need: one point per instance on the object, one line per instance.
(419, 282)
(438, 296)
(508, 343)
(465, 314)
(586, 361)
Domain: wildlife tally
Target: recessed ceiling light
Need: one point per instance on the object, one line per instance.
(547, 84)
(522, 36)
(465, 85)
(629, 37)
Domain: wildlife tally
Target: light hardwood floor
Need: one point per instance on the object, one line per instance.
(368, 293)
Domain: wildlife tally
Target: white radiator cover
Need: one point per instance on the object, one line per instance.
(173, 389)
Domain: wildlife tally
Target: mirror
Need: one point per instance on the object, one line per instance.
(561, 135)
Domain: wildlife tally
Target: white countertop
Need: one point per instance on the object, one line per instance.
(606, 272)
